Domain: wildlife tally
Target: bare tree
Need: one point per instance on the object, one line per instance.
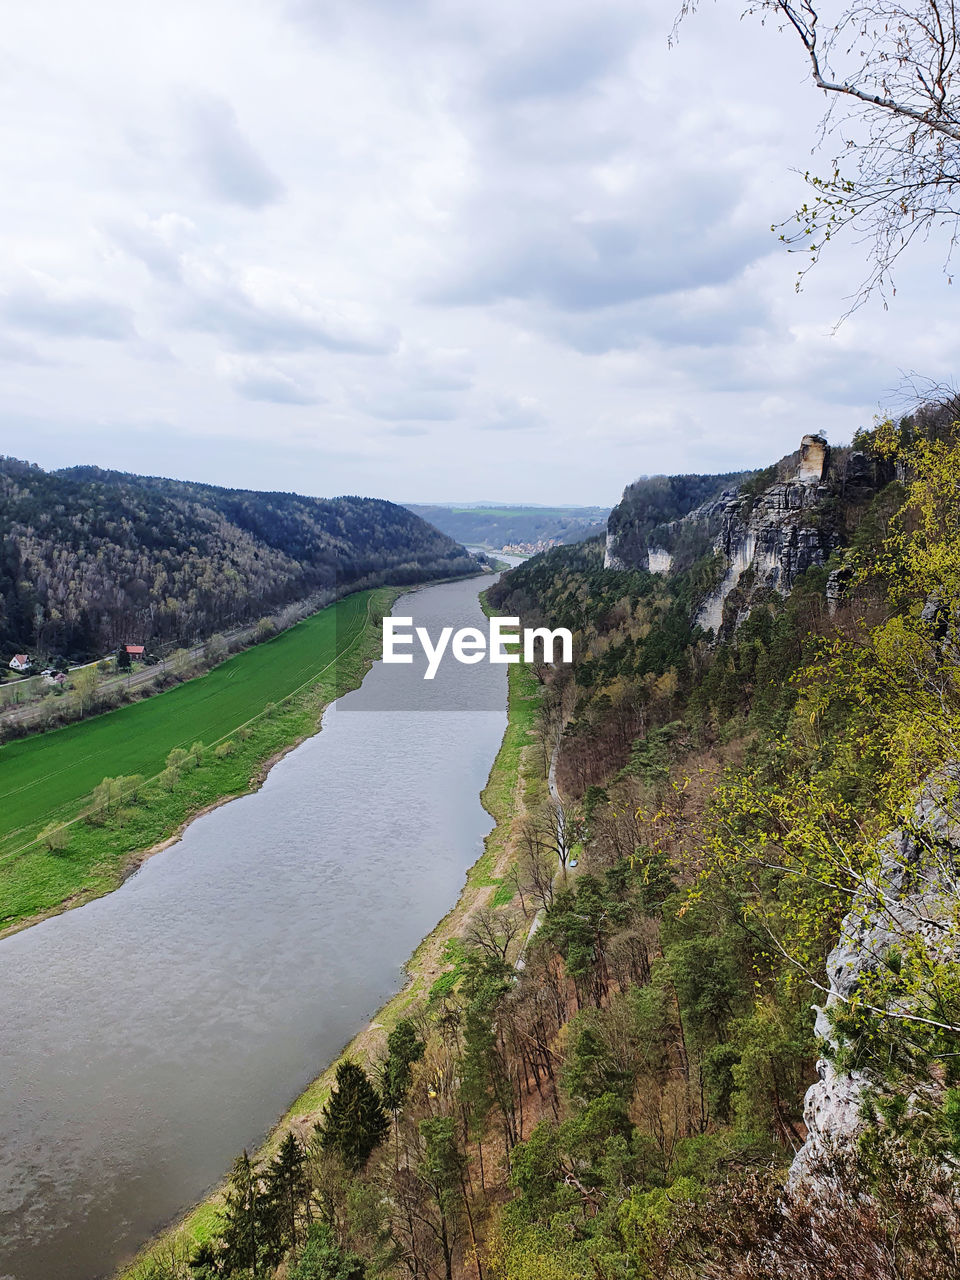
(493, 932)
(559, 831)
(889, 71)
(537, 867)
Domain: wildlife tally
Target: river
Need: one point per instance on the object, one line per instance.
(149, 1036)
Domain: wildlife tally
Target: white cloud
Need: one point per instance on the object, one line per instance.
(378, 241)
(258, 379)
(223, 156)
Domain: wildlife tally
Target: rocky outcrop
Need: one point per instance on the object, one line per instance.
(653, 559)
(778, 537)
(611, 560)
(912, 896)
(641, 527)
(814, 452)
(765, 535)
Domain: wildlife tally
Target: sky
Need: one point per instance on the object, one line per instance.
(424, 249)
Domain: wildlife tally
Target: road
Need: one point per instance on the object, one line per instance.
(31, 714)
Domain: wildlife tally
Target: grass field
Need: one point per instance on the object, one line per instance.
(50, 777)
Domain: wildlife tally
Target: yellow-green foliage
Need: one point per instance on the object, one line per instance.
(799, 831)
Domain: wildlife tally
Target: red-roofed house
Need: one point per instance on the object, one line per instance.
(20, 662)
(134, 650)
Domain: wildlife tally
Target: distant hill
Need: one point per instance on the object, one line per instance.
(501, 526)
(642, 519)
(93, 558)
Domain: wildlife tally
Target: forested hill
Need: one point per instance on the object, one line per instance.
(95, 558)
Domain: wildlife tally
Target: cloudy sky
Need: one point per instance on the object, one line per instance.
(423, 249)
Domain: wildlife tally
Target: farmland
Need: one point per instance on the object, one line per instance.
(253, 705)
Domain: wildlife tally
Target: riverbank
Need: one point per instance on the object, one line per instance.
(516, 782)
(56, 856)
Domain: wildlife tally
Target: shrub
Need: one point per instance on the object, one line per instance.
(54, 837)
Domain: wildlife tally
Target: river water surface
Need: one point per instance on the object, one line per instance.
(149, 1036)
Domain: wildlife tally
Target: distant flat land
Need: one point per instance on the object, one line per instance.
(49, 777)
(496, 526)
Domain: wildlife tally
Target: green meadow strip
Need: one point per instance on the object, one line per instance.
(67, 836)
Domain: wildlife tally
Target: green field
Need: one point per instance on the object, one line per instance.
(50, 777)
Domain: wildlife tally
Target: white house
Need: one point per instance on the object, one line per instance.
(20, 662)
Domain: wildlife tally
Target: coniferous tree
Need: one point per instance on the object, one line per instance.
(354, 1122)
(324, 1259)
(404, 1048)
(441, 1173)
(204, 1261)
(286, 1189)
(244, 1236)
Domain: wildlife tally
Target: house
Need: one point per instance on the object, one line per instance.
(134, 650)
(20, 662)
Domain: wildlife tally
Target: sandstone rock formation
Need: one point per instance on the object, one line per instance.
(610, 558)
(913, 894)
(776, 538)
(776, 533)
(814, 451)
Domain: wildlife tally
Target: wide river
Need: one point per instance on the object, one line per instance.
(148, 1037)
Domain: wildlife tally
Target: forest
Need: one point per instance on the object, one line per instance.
(94, 559)
(618, 1095)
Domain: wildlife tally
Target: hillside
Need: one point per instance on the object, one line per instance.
(528, 528)
(92, 558)
(760, 740)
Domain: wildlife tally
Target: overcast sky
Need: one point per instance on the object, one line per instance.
(423, 250)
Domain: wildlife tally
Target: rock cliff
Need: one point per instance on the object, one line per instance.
(778, 535)
(766, 529)
(643, 527)
(912, 896)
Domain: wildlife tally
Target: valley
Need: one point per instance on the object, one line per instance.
(557, 877)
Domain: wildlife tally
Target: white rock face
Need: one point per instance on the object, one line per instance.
(610, 559)
(913, 893)
(659, 560)
(774, 538)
